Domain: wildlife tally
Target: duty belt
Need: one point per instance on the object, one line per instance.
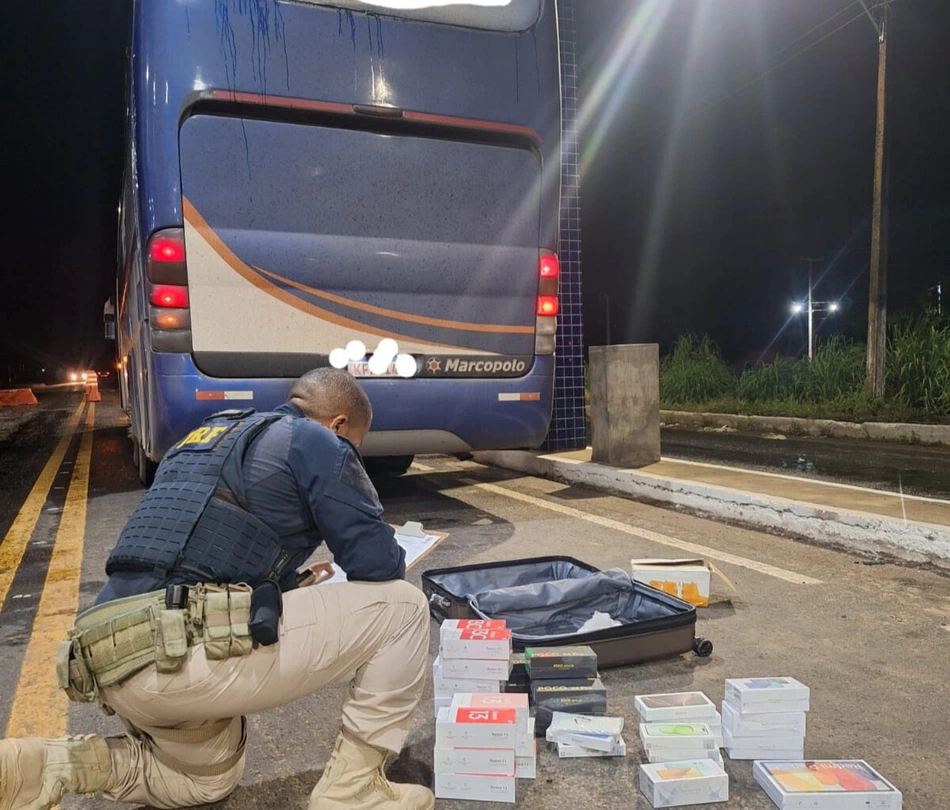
(113, 641)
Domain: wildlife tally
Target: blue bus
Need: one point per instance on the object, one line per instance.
(310, 181)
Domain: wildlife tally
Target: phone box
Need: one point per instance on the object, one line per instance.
(542, 691)
(526, 767)
(564, 722)
(568, 751)
(685, 579)
(477, 643)
(450, 626)
(495, 701)
(675, 784)
(476, 669)
(476, 728)
(767, 724)
(484, 761)
(525, 744)
(441, 703)
(688, 706)
(677, 754)
(840, 784)
(684, 737)
(763, 747)
(468, 787)
(561, 662)
(594, 704)
(765, 695)
(446, 687)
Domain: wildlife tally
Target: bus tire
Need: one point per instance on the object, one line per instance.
(388, 465)
(146, 467)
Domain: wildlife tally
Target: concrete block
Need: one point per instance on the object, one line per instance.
(625, 404)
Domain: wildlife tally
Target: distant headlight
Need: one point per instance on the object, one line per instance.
(73, 377)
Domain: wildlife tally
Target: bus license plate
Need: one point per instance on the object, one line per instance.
(361, 369)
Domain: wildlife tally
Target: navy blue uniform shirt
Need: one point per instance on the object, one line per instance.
(310, 486)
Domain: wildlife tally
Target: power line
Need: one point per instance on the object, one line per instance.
(812, 30)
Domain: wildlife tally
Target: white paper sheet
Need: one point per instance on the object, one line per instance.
(415, 548)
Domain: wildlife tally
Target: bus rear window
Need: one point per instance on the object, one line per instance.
(488, 15)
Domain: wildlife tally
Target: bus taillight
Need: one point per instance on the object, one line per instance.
(549, 272)
(166, 257)
(169, 295)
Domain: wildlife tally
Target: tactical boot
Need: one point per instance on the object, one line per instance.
(354, 780)
(35, 773)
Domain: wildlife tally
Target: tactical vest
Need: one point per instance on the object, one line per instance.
(193, 524)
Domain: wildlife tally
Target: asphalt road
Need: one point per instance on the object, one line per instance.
(872, 641)
(918, 470)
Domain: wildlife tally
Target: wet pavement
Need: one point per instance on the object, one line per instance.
(913, 469)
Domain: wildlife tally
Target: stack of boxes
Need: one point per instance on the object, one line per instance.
(564, 679)
(579, 735)
(679, 725)
(484, 738)
(764, 718)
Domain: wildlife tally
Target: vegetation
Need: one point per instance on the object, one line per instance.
(693, 376)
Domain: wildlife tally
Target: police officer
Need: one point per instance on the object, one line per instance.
(201, 622)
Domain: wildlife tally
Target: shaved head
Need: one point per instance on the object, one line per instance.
(325, 393)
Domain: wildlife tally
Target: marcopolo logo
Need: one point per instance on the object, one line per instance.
(489, 367)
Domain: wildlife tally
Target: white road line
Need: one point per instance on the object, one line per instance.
(644, 534)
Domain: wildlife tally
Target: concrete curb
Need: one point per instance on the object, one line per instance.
(794, 426)
(859, 531)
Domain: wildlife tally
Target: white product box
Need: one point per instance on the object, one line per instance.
(446, 687)
(476, 728)
(507, 700)
(693, 707)
(453, 625)
(441, 703)
(568, 751)
(476, 669)
(476, 643)
(764, 747)
(767, 724)
(526, 767)
(826, 785)
(766, 695)
(677, 754)
(565, 722)
(674, 784)
(685, 737)
(685, 579)
(596, 742)
(475, 788)
(525, 743)
(482, 761)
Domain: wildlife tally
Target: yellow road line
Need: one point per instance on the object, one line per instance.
(39, 705)
(14, 543)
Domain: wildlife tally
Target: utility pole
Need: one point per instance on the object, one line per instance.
(811, 261)
(877, 298)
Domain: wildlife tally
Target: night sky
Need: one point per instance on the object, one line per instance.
(703, 181)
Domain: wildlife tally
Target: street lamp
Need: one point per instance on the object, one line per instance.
(812, 307)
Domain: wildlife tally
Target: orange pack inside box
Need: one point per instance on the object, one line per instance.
(686, 579)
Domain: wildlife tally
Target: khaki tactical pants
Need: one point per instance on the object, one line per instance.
(178, 750)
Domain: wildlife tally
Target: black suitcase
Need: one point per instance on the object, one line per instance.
(545, 600)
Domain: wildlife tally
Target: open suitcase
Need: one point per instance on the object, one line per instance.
(546, 600)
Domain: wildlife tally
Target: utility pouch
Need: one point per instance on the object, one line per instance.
(266, 607)
(171, 639)
(72, 674)
(226, 615)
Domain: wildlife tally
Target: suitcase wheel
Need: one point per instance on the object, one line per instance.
(703, 647)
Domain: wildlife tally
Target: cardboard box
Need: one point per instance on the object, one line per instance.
(675, 784)
(767, 724)
(476, 669)
(446, 687)
(765, 695)
(526, 767)
(676, 755)
(483, 761)
(561, 662)
(472, 788)
(582, 724)
(476, 728)
(775, 747)
(441, 703)
(542, 691)
(593, 704)
(476, 643)
(568, 751)
(692, 707)
(686, 579)
(495, 701)
(826, 785)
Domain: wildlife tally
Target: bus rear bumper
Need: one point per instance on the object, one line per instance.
(421, 415)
